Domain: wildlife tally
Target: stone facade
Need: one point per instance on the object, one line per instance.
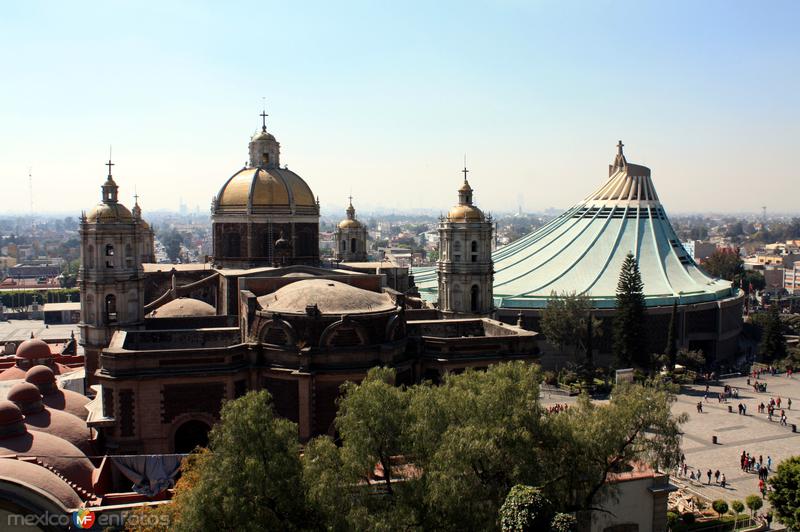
(465, 268)
(114, 243)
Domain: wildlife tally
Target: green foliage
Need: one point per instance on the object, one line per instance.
(737, 506)
(773, 343)
(252, 478)
(785, 494)
(724, 263)
(21, 298)
(754, 278)
(629, 332)
(564, 523)
(567, 322)
(688, 518)
(172, 241)
(672, 519)
(691, 359)
(754, 503)
(596, 441)
(525, 510)
(720, 506)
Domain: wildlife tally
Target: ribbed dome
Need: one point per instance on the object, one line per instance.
(470, 213)
(33, 349)
(274, 188)
(184, 307)
(109, 212)
(330, 297)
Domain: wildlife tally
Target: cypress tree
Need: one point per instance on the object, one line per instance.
(671, 349)
(629, 344)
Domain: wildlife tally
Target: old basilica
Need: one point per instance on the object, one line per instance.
(167, 344)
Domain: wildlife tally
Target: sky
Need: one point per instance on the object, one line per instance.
(384, 100)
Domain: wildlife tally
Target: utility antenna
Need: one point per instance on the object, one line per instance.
(30, 193)
(764, 214)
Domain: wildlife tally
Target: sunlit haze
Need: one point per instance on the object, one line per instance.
(383, 101)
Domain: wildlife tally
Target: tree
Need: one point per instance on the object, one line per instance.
(720, 506)
(525, 510)
(671, 349)
(371, 421)
(467, 431)
(694, 360)
(598, 441)
(754, 503)
(251, 478)
(738, 507)
(785, 495)
(629, 330)
(567, 322)
(773, 344)
(724, 263)
(172, 241)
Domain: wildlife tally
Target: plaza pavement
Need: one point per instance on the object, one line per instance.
(753, 433)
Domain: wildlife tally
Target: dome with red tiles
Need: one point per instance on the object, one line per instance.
(9, 414)
(33, 349)
(24, 392)
(40, 375)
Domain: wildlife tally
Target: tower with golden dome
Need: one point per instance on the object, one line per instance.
(114, 244)
(465, 269)
(258, 204)
(351, 238)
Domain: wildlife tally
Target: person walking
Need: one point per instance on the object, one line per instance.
(709, 476)
(789, 403)
(716, 476)
(723, 482)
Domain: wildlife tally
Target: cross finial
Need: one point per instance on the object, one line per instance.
(263, 115)
(465, 171)
(350, 198)
(619, 147)
(109, 164)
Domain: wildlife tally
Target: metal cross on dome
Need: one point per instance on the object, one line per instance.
(109, 164)
(619, 147)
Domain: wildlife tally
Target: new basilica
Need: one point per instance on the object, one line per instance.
(167, 344)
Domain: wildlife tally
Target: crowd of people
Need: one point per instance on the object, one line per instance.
(558, 407)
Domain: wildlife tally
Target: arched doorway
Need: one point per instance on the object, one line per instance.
(191, 434)
(474, 299)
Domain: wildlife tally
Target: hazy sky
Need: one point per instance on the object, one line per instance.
(383, 99)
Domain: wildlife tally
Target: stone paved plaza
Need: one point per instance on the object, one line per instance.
(753, 433)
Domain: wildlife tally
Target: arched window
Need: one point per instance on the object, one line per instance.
(128, 256)
(353, 245)
(111, 308)
(343, 245)
(109, 256)
(89, 259)
(474, 304)
(474, 251)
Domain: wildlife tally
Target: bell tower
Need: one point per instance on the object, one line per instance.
(350, 238)
(111, 278)
(465, 268)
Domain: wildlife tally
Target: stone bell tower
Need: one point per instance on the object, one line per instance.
(351, 238)
(465, 267)
(113, 243)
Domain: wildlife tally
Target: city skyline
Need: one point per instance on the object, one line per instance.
(385, 102)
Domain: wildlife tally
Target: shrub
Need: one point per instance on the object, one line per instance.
(550, 378)
(753, 502)
(563, 523)
(525, 509)
(688, 518)
(672, 519)
(737, 507)
(720, 506)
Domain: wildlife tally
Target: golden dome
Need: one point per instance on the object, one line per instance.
(469, 213)
(109, 212)
(349, 223)
(265, 187)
